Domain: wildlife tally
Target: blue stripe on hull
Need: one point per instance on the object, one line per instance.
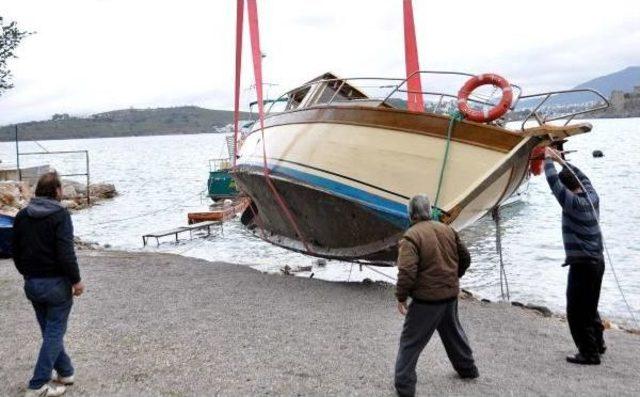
(389, 210)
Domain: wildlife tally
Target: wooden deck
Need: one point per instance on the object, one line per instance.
(183, 229)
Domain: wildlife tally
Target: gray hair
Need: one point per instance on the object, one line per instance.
(419, 208)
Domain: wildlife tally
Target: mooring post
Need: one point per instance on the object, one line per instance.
(18, 155)
(86, 153)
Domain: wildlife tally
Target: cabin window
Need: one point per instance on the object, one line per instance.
(296, 98)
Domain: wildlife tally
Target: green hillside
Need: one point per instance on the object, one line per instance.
(128, 122)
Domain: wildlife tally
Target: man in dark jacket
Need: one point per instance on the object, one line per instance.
(584, 256)
(44, 254)
(431, 259)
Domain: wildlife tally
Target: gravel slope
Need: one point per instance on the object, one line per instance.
(165, 325)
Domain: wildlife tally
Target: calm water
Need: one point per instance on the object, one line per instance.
(161, 179)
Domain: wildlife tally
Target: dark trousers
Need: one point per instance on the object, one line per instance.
(583, 294)
(52, 300)
(421, 321)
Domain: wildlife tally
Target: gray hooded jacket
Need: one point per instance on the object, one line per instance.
(43, 241)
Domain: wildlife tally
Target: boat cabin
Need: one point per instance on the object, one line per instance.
(328, 89)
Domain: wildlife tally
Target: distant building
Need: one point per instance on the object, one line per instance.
(625, 102)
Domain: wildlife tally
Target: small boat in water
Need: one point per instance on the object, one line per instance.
(220, 185)
(346, 162)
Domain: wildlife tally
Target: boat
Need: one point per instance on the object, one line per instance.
(345, 160)
(6, 235)
(220, 184)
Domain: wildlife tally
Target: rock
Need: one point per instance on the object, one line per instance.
(102, 190)
(609, 325)
(9, 193)
(69, 204)
(540, 309)
(9, 211)
(84, 245)
(286, 270)
(597, 153)
(464, 294)
(81, 188)
(69, 192)
(25, 191)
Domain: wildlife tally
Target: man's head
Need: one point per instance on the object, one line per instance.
(419, 208)
(49, 186)
(569, 180)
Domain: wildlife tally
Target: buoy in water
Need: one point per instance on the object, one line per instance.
(597, 153)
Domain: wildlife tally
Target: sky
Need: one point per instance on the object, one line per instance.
(89, 56)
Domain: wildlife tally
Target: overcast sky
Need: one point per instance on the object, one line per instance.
(96, 55)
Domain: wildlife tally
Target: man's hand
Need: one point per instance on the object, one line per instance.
(550, 153)
(77, 288)
(402, 308)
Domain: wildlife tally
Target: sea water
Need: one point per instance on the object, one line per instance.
(162, 178)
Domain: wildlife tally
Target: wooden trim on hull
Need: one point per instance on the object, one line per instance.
(482, 135)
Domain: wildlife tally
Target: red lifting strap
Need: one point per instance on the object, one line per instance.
(254, 34)
(415, 102)
(236, 98)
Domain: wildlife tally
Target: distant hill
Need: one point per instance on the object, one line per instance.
(623, 80)
(127, 122)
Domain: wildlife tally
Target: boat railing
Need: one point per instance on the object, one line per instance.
(219, 164)
(444, 99)
(542, 107)
(360, 86)
(386, 92)
(562, 109)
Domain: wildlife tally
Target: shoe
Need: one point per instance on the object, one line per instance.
(469, 373)
(47, 390)
(603, 348)
(584, 360)
(63, 380)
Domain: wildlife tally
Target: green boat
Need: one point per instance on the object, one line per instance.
(221, 185)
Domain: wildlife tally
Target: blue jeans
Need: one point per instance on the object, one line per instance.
(52, 300)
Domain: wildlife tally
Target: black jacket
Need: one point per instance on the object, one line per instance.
(43, 241)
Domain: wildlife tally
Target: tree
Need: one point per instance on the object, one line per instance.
(10, 37)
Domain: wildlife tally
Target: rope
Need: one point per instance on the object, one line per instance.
(606, 249)
(172, 206)
(504, 283)
(436, 213)
(381, 273)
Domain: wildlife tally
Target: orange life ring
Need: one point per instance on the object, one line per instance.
(488, 114)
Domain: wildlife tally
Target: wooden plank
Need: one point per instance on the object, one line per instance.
(168, 232)
(558, 132)
(202, 225)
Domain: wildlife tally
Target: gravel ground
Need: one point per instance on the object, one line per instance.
(165, 325)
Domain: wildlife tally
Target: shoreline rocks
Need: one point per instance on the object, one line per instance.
(15, 195)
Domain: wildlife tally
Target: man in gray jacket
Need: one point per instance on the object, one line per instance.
(431, 259)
